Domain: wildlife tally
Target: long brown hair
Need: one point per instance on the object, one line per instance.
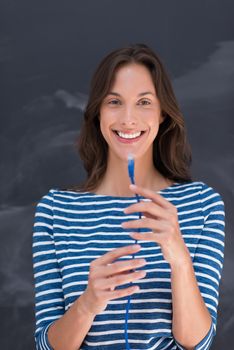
(171, 150)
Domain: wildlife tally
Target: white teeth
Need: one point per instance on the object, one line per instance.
(128, 136)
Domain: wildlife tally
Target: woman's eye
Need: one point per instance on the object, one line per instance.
(114, 102)
(145, 102)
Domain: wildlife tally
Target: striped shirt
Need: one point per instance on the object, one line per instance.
(73, 228)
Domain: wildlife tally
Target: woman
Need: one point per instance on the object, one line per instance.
(83, 251)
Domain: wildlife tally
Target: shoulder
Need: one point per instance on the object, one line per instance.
(209, 195)
(47, 198)
(200, 187)
(208, 199)
(200, 193)
(61, 197)
(212, 203)
(205, 200)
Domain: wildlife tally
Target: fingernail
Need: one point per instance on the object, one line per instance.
(142, 273)
(132, 234)
(132, 186)
(142, 261)
(136, 246)
(136, 288)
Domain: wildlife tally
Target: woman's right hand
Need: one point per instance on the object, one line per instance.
(105, 274)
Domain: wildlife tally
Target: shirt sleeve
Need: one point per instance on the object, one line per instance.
(49, 298)
(208, 258)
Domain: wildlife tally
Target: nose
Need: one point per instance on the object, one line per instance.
(128, 117)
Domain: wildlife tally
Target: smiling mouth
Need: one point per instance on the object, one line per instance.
(128, 139)
(137, 132)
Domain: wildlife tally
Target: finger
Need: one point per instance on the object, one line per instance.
(147, 207)
(156, 197)
(123, 266)
(120, 293)
(141, 223)
(115, 281)
(147, 236)
(117, 253)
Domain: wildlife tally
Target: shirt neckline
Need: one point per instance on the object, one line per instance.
(93, 194)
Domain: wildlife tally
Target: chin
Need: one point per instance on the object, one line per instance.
(124, 155)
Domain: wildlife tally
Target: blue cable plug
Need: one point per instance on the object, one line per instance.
(131, 168)
(131, 176)
(131, 172)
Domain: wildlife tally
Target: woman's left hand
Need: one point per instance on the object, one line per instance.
(161, 217)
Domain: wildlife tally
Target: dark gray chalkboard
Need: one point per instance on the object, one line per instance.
(48, 52)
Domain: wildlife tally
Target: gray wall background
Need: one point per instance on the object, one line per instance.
(48, 52)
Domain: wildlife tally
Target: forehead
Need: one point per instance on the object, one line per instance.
(131, 71)
(134, 78)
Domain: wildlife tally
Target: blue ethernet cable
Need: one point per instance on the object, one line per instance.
(131, 175)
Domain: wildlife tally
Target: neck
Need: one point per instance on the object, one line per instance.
(116, 180)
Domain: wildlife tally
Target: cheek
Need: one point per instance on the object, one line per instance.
(102, 127)
(105, 125)
(154, 127)
(154, 123)
(107, 118)
(151, 115)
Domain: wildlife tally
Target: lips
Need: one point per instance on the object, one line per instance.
(128, 140)
(129, 131)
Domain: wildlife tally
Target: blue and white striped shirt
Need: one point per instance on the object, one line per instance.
(73, 228)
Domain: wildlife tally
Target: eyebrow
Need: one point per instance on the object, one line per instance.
(140, 94)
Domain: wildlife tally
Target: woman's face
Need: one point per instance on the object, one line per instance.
(131, 107)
